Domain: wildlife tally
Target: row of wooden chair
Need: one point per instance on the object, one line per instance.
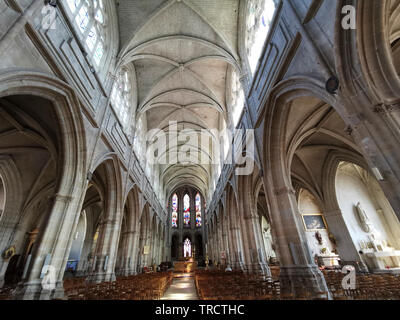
(141, 287)
(5, 293)
(366, 287)
(217, 285)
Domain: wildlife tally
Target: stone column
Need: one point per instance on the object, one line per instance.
(254, 234)
(344, 243)
(235, 242)
(210, 250)
(254, 260)
(252, 241)
(106, 251)
(298, 271)
(128, 242)
(235, 259)
(214, 245)
(153, 244)
(53, 249)
(225, 241)
(83, 263)
(221, 240)
(135, 253)
(142, 242)
(180, 245)
(148, 258)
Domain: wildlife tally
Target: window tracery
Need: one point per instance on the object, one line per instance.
(259, 18)
(90, 20)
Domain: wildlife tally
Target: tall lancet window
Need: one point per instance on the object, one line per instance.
(198, 210)
(187, 248)
(174, 216)
(121, 98)
(90, 20)
(186, 210)
(259, 18)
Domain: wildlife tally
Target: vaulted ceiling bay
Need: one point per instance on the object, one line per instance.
(183, 57)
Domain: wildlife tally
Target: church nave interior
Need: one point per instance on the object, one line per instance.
(199, 150)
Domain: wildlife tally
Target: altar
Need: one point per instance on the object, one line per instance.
(185, 266)
(384, 260)
(331, 260)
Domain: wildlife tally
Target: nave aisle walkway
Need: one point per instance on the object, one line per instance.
(182, 288)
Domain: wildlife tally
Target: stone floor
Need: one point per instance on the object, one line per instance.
(182, 288)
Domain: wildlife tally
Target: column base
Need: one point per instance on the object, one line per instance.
(101, 277)
(303, 282)
(238, 266)
(258, 268)
(127, 272)
(81, 274)
(34, 291)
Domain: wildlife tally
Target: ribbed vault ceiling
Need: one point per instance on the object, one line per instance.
(182, 52)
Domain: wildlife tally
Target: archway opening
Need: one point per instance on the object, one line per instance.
(394, 32)
(372, 223)
(318, 237)
(77, 244)
(82, 259)
(30, 146)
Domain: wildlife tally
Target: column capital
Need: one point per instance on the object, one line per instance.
(387, 108)
(251, 216)
(285, 190)
(108, 221)
(61, 197)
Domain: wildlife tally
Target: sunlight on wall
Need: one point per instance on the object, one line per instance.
(353, 185)
(237, 98)
(121, 98)
(308, 205)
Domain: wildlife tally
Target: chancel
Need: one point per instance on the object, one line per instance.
(196, 149)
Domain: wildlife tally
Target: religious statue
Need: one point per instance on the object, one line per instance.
(318, 236)
(365, 223)
(332, 238)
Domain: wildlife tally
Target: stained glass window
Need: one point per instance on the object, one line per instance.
(198, 210)
(186, 210)
(89, 18)
(174, 216)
